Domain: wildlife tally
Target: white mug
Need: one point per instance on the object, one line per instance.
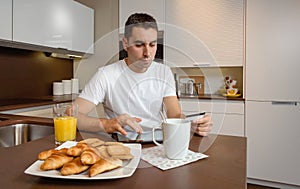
(176, 137)
(58, 88)
(67, 86)
(75, 86)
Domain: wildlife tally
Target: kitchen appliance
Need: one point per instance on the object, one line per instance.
(272, 93)
(191, 85)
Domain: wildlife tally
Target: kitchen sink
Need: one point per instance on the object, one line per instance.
(16, 134)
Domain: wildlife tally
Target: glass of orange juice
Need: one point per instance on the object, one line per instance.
(65, 121)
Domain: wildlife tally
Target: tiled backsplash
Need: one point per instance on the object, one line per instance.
(25, 73)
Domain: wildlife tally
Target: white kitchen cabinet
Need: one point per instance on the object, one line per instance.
(46, 23)
(83, 28)
(54, 23)
(272, 48)
(227, 116)
(273, 134)
(204, 32)
(156, 8)
(6, 19)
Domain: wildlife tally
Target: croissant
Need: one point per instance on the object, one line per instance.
(89, 156)
(73, 167)
(45, 154)
(104, 165)
(55, 161)
(78, 149)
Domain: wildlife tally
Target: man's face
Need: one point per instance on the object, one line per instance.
(141, 48)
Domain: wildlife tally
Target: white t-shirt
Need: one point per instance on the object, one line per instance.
(137, 94)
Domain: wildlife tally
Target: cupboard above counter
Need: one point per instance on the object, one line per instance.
(156, 8)
(196, 33)
(204, 33)
(6, 19)
(51, 26)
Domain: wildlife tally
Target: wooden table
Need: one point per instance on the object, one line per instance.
(224, 168)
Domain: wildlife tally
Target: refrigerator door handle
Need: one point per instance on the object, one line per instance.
(285, 103)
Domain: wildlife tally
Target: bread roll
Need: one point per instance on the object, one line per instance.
(115, 150)
(124, 157)
(73, 167)
(92, 142)
(98, 143)
(103, 152)
(113, 143)
(118, 150)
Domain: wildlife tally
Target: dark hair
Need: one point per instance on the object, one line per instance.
(139, 20)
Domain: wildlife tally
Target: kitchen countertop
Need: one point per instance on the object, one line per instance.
(9, 104)
(224, 168)
(17, 103)
(12, 104)
(210, 97)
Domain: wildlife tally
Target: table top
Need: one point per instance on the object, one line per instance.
(224, 168)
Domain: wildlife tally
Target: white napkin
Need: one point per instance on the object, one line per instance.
(156, 156)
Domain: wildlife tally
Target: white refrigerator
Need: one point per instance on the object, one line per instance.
(272, 91)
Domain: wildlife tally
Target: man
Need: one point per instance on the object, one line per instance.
(136, 89)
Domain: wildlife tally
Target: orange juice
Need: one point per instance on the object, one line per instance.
(65, 129)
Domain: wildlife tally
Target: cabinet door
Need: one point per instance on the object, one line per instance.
(6, 19)
(204, 32)
(47, 22)
(156, 8)
(227, 117)
(228, 124)
(272, 48)
(83, 28)
(273, 138)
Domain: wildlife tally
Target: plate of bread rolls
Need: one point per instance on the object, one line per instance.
(88, 159)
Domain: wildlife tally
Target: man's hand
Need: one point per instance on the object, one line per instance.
(117, 124)
(202, 126)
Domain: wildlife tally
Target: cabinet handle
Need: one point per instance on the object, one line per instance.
(285, 103)
(201, 64)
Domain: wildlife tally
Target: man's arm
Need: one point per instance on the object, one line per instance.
(200, 126)
(84, 121)
(87, 123)
(172, 107)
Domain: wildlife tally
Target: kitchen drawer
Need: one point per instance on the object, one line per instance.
(216, 106)
(227, 116)
(228, 124)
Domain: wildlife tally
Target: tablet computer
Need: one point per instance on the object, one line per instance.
(133, 137)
